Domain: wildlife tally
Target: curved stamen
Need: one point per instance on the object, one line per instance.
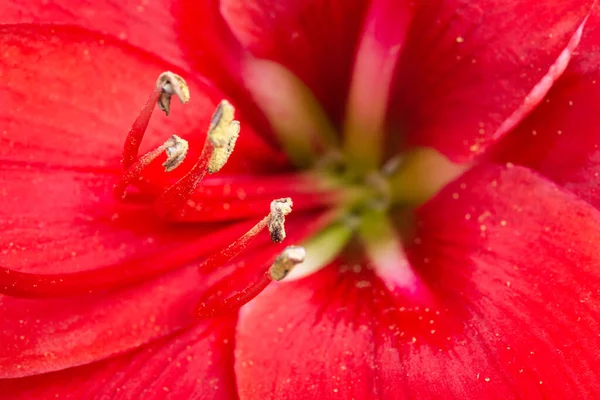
(167, 84)
(245, 269)
(133, 141)
(176, 149)
(221, 137)
(283, 264)
(279, 207)
(173, 199)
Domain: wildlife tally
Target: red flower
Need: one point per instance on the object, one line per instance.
(471, 274)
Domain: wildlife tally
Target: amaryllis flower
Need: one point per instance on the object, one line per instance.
(439, 158)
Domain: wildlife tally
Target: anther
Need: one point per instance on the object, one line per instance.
(279, 209)
(171, 84)
(288, 259)
(220, 155)
(176, 150)
(222, 133)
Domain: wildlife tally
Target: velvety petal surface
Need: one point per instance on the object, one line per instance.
(471, 70)
(560, 138)
(49, 335)
(194, 364)
(515, 310)
(150, 25)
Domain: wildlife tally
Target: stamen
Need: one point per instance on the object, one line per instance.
(222, 134)
(279, 209)
(251, 266)
(283, 264)
(176, 195)
(176, 149)
(167, 84)
(171, 84)
(133, 141)
(235, 248)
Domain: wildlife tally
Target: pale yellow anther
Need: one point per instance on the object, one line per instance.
(171, 84)
(220, 155)
(279, 209)
(222, 125)
(176, 149)
(288, 259)
(222, 133)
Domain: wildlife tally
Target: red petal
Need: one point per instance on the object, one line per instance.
(197, 363)
(148, 25)
(314, 39)
(516, 310)
(472, 69)
(43, 336)
(560, 138)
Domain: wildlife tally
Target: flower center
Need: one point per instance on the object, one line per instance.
(375, 198)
